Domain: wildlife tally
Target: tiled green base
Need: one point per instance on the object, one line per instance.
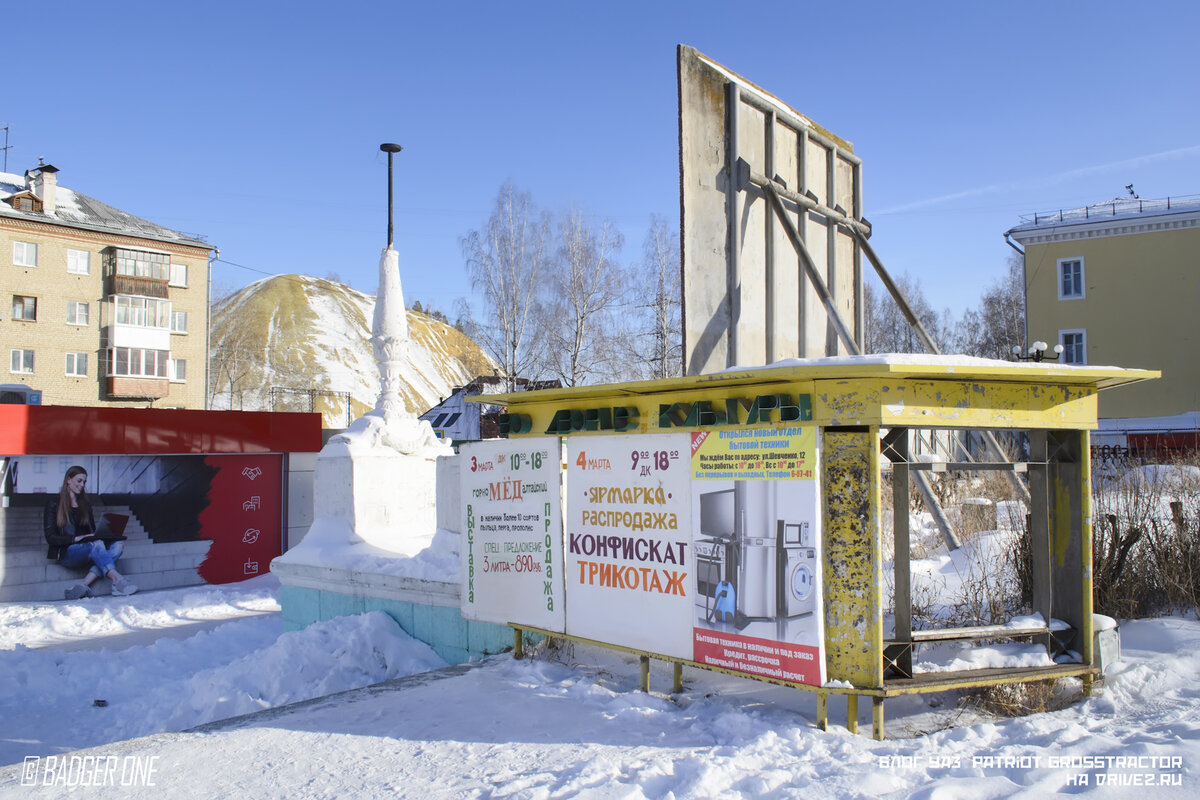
(455, 639)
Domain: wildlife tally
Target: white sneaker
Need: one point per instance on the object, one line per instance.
(77, 591)
(123, 588)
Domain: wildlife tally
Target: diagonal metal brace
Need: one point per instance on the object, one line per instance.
(814, 276)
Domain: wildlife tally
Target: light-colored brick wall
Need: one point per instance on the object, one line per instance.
(52, 338)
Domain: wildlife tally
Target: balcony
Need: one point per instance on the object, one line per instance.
(138, 285)
(134, 271)
(136, 388)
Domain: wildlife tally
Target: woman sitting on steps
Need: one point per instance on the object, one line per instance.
(71, 536)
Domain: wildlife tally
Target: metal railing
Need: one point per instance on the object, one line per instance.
(1117, 207)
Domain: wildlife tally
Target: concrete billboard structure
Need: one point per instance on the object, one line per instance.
(754, 291)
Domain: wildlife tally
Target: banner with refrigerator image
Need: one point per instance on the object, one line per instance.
(757, 516)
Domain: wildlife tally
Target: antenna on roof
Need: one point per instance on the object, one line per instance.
(6, 148)
(1132, 193)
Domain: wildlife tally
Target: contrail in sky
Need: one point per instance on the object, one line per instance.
(1047, 180)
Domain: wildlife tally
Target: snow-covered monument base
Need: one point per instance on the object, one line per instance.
(386, 514)
(384, 538)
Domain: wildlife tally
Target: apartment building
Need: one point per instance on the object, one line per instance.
(106, 308)
(1118, 284)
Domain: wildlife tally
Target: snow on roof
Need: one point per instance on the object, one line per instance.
(947, 362)
(1117, 208)
(78, 210)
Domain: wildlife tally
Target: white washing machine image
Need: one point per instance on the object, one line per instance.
(797, 584)
(801, 582)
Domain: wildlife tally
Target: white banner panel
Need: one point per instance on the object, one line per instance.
(629, 541)
(512, 532)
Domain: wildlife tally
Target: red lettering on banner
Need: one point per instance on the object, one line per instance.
(796, 663)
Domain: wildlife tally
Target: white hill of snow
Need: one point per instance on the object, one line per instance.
(299, 332)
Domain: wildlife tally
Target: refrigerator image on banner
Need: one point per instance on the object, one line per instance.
(757, 584)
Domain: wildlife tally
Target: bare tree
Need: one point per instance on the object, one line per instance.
(586, 288)
(991, 330)
(661, 341)
(887, 331)
(236, 357)
(505, 262)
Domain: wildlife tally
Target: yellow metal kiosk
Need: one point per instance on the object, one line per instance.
(863, 409)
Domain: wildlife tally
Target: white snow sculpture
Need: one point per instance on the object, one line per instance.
(390, 424)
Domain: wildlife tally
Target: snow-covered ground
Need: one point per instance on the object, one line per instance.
(568, 726)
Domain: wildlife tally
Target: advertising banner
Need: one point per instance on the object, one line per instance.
(629, 542)
(216, 516)
(512, 532)
(758, 551)
(243, 516)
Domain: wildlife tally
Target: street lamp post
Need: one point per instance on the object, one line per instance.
(391, 149)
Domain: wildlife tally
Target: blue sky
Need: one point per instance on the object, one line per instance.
(257, 124)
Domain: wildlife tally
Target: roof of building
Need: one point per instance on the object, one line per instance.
(77, 210)
(1120, 208)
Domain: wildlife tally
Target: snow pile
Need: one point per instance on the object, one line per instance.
(330, 543)
(48, 696)
(37, 625)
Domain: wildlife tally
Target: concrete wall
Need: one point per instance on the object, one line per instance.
(301, 469)
(442, 627)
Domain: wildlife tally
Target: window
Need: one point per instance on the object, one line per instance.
(24, 308)
(178, 274)
(179, 374)
(1070, 278)
(1074, 346)
(77, 312)
(77, 365)
(79, 262)
(25, 202)
(22, 361)
(137, 363)
(143, 264)
(143, 312)
(178, 322)
(24, 254)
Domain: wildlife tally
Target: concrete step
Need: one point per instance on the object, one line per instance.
(155, 565)
(32, 555)
(39, 540)
(22, 527)
(49, 591)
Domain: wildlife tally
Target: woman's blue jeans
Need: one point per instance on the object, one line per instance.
(101, 558)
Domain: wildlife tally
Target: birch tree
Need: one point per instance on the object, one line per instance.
(887, 331)
(505, 262)
(585, 291)
(992, 329)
